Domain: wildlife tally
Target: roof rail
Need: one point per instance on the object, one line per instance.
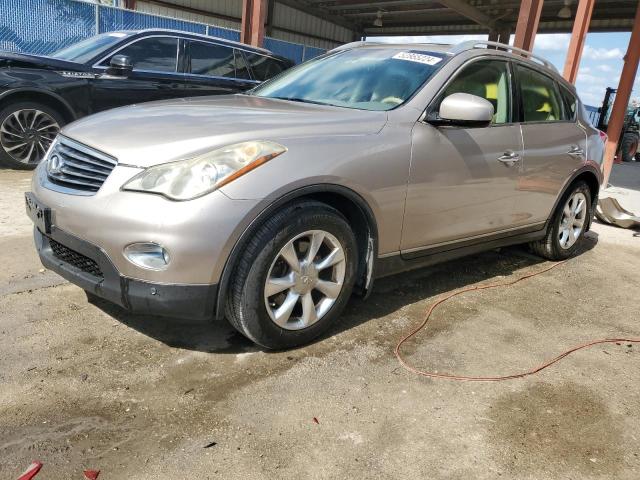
(347, 46)
(468, 45)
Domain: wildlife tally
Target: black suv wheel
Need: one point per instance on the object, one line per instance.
(27, 129)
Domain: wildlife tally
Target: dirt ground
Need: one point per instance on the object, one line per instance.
(88, 386)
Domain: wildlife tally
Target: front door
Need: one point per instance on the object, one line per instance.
(155, 75)
(464, 181)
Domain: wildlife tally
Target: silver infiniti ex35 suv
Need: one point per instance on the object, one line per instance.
(270, 208)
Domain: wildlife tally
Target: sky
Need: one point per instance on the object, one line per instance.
(600, 66)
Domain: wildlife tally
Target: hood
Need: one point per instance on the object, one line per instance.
(23, 60)
(159, 132)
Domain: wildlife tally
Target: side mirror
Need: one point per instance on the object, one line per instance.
(120, 66)
(463, 109)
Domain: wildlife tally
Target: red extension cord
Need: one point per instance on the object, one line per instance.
(465, 378)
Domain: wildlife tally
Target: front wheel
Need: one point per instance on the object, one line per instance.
(568, 225)
(295, 276)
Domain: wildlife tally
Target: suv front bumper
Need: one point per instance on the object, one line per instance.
(89, 267)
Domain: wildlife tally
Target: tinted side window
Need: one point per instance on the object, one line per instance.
(242, 69)
(541, 100)
(264, 67)
(210, 59)
(571, 104)
(157, 54)
(488, 80)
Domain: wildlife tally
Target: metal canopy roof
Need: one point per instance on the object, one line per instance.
(424, 17)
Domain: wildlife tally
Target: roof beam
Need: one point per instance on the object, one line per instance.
(371, 5)
(411, 14)
(307, 7)
(470, 12)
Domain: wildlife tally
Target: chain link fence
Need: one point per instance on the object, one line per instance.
(43, 26)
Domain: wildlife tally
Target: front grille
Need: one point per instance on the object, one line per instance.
(76, 259)
(75, 166)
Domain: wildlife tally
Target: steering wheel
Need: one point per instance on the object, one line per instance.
(392, 100)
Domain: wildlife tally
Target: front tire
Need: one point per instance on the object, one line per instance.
(27, 129)
(295, 276)
(568, 225)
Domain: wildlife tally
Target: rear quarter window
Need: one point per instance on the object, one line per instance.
(571, 104)
(264, 67)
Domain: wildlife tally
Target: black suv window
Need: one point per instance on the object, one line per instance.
(489, 80)
(211, 59)
(541, 101)
(264, 67)
(156, 54)
(242, 69)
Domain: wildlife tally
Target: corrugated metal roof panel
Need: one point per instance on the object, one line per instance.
(319, 32)
(222, 8)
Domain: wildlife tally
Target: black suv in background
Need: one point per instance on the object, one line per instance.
(39, 94)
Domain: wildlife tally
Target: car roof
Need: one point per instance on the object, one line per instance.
(182, 33)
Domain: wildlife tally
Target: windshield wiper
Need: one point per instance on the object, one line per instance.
(301, 100)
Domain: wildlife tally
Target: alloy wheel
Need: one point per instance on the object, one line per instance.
(574, 216)
(305, 280)
(27, 134)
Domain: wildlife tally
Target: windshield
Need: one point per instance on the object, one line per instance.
(363, 78)
(85, 50)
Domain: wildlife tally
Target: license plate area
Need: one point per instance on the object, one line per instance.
(38, 213)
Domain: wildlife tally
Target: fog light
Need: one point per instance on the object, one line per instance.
(147, 255)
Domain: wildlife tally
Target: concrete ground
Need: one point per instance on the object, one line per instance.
(86, 386)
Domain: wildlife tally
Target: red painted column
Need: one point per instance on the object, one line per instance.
(578, 36)
(527, 25)
(254, 14)
(619, 110)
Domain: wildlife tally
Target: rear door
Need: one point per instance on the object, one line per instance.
(215, 69)
(155, 74)
(464, 181)
(554, 144)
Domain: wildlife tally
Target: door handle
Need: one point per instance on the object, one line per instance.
(576, 151)
(509, 158)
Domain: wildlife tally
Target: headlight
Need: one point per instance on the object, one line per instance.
(188, 179)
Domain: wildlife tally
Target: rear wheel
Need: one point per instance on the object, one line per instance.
(295, 276)
(568, 225)
(27, 129)
(629, 146)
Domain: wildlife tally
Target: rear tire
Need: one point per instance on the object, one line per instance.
(312, 295)
(629, 146)
(564, 238)
(27, 129)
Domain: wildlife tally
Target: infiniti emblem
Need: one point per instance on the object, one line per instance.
(54, 165)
